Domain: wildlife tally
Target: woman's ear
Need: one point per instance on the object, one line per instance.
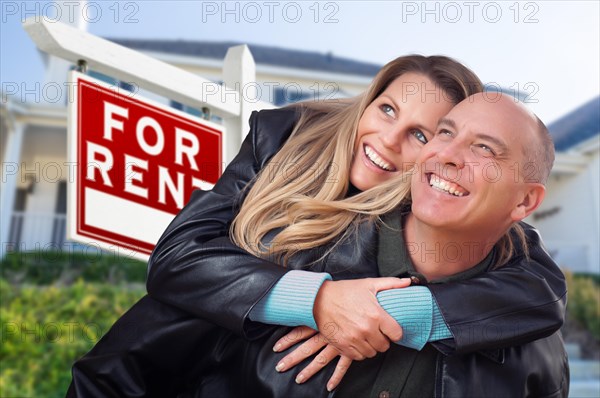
(534, 194)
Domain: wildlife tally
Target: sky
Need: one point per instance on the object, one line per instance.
(549, 50)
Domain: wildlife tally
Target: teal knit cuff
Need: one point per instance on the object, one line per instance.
(290, 302)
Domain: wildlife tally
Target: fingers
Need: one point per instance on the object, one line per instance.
(306, 349)
(379, 284)
(379, 343)
(296, 335)
(356, 347)
(390, 328)
(338, 374)
(328, 354)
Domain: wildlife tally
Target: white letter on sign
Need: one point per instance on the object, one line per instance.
(190, 151)
(176, 190)
(131, 175)
(94, 163)
(157, 148)
(109, 122)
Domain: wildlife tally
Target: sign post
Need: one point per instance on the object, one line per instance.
(136, 163)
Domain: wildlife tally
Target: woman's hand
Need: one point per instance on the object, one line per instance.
(311, 346)
(350, 318)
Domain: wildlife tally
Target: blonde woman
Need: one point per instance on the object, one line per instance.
(311, 180)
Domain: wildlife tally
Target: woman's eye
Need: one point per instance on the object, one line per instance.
(420, 136)
(388, 110)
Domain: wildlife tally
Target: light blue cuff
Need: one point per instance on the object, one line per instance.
(290, 302)
(418, 314)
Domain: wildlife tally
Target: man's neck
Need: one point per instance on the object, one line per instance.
(438, 253)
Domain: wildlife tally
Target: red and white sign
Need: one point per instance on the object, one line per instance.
(137, 163)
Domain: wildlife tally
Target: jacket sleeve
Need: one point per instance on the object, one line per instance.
(194, 265)
(517, 303)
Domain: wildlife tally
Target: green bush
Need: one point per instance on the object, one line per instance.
(583, 302)
(46, 267)
(45, 328)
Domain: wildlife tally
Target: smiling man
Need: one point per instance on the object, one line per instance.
(482, 173)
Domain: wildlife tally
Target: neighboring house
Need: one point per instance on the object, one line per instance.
(33, 135)
(569, 217)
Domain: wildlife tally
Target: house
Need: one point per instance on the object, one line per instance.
(569, 217)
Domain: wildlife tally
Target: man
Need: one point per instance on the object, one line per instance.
(170, 353)
(483, 172)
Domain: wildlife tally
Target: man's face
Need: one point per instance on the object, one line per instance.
(469, 175)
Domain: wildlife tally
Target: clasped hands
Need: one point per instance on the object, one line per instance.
(351, 325)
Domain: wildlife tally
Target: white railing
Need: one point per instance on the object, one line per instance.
(36, 231)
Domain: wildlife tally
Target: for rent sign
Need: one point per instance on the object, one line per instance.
(137, 163)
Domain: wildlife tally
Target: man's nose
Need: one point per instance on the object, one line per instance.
(452, 155)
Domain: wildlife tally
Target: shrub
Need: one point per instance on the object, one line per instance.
(46, 267)
(583, 302)
(44, 329)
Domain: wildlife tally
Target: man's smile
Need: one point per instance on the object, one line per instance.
(442, 185)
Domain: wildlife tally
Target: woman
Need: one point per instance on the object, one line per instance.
(196, 268)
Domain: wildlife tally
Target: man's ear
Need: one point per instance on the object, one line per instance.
(533, 196)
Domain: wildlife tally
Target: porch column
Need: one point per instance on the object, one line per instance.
(8, 183)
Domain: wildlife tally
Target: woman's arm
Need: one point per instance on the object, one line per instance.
(517, 303)
(194, 265)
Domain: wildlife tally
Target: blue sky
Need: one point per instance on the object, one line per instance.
(548, 49)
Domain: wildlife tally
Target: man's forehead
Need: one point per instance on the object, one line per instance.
(490, 115)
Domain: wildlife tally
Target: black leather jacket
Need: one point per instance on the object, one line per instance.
(196, 269)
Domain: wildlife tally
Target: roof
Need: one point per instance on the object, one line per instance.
(576, 126)
(262, 55)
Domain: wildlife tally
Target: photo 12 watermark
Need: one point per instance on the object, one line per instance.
(270, 12)
(72, 11)
(470, 11)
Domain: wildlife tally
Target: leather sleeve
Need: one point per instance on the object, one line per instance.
(519, 302)
(142, 354)
(194, 266)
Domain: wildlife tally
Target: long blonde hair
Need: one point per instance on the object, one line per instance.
(301, 196)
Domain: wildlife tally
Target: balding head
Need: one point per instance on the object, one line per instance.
(533, 135)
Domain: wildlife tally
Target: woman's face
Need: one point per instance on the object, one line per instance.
(394, 128)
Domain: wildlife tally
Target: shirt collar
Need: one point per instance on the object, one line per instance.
(393, 258)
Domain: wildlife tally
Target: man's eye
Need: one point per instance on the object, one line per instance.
(443, 133)
(420, 136)
(388, 110)
(484, 150)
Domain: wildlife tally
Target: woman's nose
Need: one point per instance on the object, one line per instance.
(392, 138)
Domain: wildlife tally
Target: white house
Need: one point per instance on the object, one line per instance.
(569, 217)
